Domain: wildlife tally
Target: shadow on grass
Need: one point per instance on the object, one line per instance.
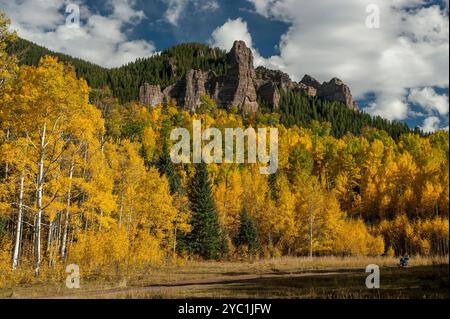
(412, 283)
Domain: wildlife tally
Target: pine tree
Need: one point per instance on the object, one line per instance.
(247, 234)
(206, 238)
(165, 167)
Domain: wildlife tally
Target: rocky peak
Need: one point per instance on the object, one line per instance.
(310, 81)
(336, 90)
(237, 86)
(240, 58)
(242, 86)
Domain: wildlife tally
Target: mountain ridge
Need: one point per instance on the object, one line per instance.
(297, 103)
(242, 86)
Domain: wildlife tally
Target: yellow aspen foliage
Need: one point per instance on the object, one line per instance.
(78, 182)
(284, 218)
(318, 215)
(228, 195)
(354, 239)
(149, 144)
(256, 197)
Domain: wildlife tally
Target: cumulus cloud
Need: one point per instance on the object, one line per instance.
(175, 8)
(223, 37)
(431, 124)
(100, 38)
(330, 38)
(428, 99)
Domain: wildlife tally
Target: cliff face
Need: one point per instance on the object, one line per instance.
(242, 86)
(237, 86)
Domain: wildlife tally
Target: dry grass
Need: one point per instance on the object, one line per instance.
(286, 277)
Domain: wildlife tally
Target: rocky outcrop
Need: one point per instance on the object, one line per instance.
(151, 95)
(270, 84)
(308, 90)
(309, 81)
(336, 90)
(189, 90)
(269, 94)
(237, 86)
(242, 86)
(309, 85)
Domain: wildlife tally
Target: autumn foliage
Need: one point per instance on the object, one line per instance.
(86, 180)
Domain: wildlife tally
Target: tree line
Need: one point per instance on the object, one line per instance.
(300, 109)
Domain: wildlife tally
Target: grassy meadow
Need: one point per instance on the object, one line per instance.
(320, 277)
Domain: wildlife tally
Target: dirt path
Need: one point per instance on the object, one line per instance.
(199, 283)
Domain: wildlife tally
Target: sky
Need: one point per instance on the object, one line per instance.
(393, 54)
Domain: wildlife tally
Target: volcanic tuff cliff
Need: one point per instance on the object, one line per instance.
(242, 86)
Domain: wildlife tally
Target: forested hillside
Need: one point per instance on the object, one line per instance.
(297, 109)
(87, 179)
(166, 68)
(30, 54)
(163, 69)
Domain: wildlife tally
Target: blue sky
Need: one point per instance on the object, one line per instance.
(198, 24)
(397, 68)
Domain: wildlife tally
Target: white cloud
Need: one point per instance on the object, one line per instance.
(100, 39)
(123, 10)
(175, 8)
(329, 38)
(428, 99)
(211, 5)
(431, 124)
(224, 36)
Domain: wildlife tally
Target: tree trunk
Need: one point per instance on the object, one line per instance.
(40, 191)
(175, 240)
(310, 233)
(121, 207)
(6, 164)
(66, 218)
(19, 225)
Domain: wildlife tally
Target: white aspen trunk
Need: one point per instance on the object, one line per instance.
(40, 192)
(175, 240)
(58, 239)
(130, 218)
(51, 231)
(66, 219)
(17, 245)
(49, 237)
(121, 209)
(83, 197)
(6, 164)
(310, 233)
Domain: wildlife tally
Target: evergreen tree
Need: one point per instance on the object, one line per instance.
(166, 167)
(247, 234)
(206, 238)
